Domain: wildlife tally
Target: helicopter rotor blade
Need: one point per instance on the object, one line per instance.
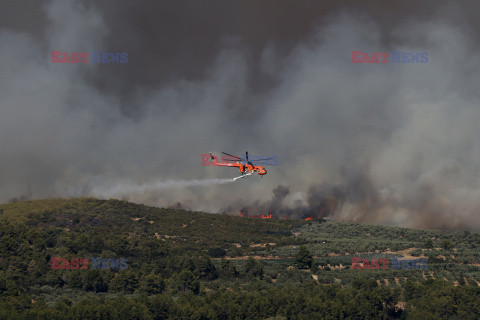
(231, 155)
(248, 161)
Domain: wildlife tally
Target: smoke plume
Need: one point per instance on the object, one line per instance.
(126, 188)
(379, 143)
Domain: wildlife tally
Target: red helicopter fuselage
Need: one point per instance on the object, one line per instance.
(242, 167)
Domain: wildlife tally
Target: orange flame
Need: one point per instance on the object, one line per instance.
(262, 216)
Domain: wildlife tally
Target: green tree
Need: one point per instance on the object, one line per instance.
(188, 282)
(7, 286)
(217, 252)
(303, 259)
(428, 244)
(204, 268)
(446, 244)
(228, 269)
(74, 279)
(152, 284)
(254, 268)
(126, 282)
(93, 281)
(160, 306)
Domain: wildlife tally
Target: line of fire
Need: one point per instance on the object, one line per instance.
(270, 216)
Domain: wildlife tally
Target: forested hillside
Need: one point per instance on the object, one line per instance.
(85, 258)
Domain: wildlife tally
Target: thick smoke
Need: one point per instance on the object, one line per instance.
(126, 188)
(377, 143)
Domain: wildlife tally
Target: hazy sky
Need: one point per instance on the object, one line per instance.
(377, 143)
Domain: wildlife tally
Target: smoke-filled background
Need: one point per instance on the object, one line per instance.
(377, 143)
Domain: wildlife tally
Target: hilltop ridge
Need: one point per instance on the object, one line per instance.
(171, 252)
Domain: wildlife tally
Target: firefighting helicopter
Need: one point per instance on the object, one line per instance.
(245, 166)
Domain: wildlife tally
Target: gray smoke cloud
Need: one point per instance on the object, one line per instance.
(377, 143)
(127, 188)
